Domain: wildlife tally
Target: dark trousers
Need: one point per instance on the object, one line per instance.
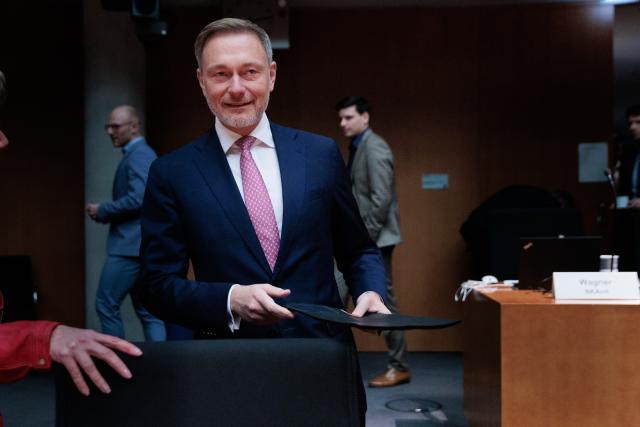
(395, 340)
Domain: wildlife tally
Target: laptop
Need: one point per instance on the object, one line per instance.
(540, 257)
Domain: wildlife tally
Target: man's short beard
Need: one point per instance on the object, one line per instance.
(233, 123)
(237, 123)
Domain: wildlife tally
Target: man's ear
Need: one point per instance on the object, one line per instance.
(272, 75)
(199, 77)
(365, 116)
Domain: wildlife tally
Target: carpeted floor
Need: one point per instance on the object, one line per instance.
(434, 376)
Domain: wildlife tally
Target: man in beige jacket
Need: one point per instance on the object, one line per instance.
(373, 184)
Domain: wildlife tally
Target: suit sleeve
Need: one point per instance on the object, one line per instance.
(129, 205)
(24, 346)
(358, 257)
(380, 176)
(166, 291)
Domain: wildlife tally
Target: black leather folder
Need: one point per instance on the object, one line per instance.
(372, 320)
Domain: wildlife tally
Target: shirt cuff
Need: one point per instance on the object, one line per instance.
(234, 321)
(43, 344)
(101, 214)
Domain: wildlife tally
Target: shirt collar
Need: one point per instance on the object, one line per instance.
(358, 138)
(262, 133)
(129, 145)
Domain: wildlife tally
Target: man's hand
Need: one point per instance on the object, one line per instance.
(73, 348)
(635, 203)
(369, 302)
(255, 304)
(92, 210)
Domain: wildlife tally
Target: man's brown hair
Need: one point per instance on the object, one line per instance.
(232, 25)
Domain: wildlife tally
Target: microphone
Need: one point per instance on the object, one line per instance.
(609, 175)
(612, 183)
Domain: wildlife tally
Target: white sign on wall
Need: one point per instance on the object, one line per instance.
(593, 158)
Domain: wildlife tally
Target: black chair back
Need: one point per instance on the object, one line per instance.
(258, 382)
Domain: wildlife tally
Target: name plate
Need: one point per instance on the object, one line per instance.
(596, 285)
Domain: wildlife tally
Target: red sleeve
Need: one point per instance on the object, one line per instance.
(24, 345)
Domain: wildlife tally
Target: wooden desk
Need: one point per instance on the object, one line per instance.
(531, 362)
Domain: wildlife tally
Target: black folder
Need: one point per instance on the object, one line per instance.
(376, 321)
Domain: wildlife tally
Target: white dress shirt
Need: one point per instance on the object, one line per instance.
(264, 155)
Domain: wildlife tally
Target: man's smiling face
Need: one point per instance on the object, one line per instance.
(236, 79)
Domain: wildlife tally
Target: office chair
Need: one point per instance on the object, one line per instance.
(257, 382)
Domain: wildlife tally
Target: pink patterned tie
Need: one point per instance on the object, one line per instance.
(258, 203)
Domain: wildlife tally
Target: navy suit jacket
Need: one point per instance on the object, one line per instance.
(123, 212)
(193, 210)
(627, 155)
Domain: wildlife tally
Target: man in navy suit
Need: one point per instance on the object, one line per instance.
(121, 271)
(628, 162)
(199, 206)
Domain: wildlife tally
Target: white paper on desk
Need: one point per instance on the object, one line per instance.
(593, 159)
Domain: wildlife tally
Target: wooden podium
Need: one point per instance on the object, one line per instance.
(531, 362)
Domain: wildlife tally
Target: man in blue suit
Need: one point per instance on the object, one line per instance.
(121, 271)
(261, 211)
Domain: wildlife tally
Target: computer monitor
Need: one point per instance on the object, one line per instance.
(540, 257)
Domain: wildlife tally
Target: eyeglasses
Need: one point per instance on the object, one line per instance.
(115, 126)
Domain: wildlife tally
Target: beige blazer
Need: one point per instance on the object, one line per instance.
(373, 185)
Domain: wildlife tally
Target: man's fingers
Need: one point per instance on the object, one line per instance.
(275, 292)
(369, 302)
(263, 309)
(255, 303)
(362, 306)
(275, 310)
(380, 308)
(360, 310)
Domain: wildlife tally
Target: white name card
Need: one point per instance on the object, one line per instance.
(596, 285)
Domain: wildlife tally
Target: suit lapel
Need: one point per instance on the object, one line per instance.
(291, 158)
(214, 168)
(358, 158)
(120, 180)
